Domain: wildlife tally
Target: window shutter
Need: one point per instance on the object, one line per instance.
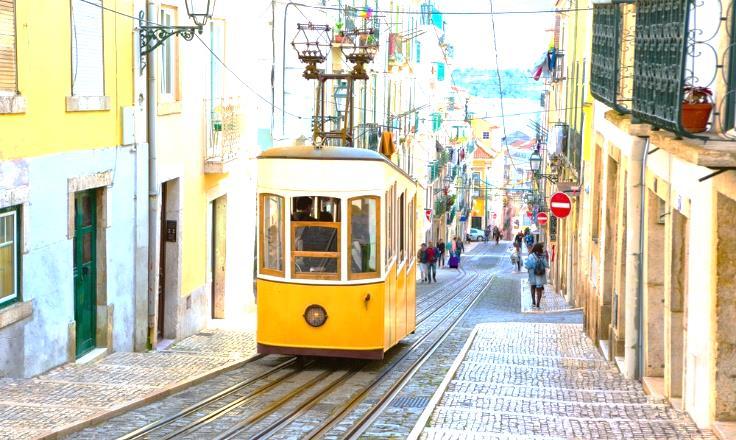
(7, 46)
(87, 55)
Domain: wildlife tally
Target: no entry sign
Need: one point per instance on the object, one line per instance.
(542, 218)
(560, 205)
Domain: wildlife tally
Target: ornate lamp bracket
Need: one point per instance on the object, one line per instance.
(152, 36)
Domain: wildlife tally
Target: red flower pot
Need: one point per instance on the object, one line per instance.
(695, 117)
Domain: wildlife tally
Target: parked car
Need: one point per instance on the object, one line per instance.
(475, 235)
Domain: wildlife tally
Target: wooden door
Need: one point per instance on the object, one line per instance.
(85, 270)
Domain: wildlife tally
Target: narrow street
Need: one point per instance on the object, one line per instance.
(498, 370)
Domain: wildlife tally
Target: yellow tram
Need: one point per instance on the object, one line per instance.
(336, 252)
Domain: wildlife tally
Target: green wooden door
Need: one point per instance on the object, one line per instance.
(85, 268)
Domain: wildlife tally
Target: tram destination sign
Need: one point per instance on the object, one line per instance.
(560, 205)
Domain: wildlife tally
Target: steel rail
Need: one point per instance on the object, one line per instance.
(143, 430)
(216, 414)
(386, 398)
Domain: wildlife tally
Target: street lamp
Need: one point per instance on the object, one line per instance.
(154, 35)
(535, 163)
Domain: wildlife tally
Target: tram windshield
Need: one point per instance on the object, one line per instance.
(316, 237)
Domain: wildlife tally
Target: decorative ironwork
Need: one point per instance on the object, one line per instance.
(605, 54)
(311, 43)
(362, 51)
(224, 128)
(659, 66)
(152, 36)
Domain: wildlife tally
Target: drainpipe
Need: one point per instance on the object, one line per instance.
(153, 213)
(635, 187)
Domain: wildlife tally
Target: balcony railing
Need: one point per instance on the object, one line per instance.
(223, 133)
(645, 56)
(559, 73)
(612, 55)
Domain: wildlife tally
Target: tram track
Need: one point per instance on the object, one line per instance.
(273, 417)
(338, 414)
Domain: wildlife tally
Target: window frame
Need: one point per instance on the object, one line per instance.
(412, 218)
(261, 237)
(334, 276)
(14, 92)
(102, 50)
(173, 45)
(365, 275)
(401, 227)
(15, 211)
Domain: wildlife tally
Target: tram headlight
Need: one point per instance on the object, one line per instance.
(315, 315)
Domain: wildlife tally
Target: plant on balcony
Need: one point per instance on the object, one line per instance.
(339, 36)
(697, 104)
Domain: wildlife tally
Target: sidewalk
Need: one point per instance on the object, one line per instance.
(543, 381)
(552, 302)
(70, 397)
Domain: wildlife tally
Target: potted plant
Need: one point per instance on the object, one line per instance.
(339, 36)
(697, 104)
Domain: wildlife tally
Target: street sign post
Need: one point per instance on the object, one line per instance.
(542, 218)
(560, 205)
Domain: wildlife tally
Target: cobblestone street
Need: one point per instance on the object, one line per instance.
(543, 380)
(70, 397)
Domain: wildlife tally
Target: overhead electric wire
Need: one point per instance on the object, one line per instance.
(246, 85)
(481, 13)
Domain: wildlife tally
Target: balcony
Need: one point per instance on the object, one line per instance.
(395, 49)
(222, 119)
(647, 55)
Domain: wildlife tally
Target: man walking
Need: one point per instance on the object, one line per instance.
(441, 249)
(422, 258)
(432, 255)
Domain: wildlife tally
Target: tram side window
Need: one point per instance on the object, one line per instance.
(272, 234)
(364, 239)
(411, 216)
(315, 232)
(402, 226)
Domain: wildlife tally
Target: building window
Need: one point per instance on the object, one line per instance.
(8, 67)
(217, 44)
(87, 53)
(9, 255)
(486, 135)
(363, 236)
(272, 235)
(169, 60)
(315, 238)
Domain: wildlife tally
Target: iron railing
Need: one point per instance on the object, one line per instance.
(223, 129)
(612, 60)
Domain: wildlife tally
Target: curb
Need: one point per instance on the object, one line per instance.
(147, 399)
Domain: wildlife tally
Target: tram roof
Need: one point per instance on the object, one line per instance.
(325, 153)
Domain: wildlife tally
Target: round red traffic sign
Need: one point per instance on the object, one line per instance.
(494, 216)
(560, 205)
(542, 218)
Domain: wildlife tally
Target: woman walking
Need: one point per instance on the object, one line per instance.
(537, 265)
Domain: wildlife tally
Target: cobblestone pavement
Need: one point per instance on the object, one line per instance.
(551, 301)
(543, 380)
(74, 395)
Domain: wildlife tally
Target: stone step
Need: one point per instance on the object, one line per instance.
(564, 378)
(550, 393)
(549, 426)
(594, 410)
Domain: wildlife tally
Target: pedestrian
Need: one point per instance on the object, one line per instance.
(518, 239)
(441, 248)
(460, 247)
(432, 255)
(516, 259)
(537, 265)
(422, 258)
(487, 232)
(496, 234)
(528, 239)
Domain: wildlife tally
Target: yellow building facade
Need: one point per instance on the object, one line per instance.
(69, 193)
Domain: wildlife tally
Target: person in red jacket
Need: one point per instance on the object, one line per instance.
(432, 255)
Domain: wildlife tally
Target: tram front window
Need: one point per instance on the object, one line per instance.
(316, 237)
(363, 237)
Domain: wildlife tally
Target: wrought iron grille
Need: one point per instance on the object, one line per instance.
(659, 62)
(223, 140)
(605, 54)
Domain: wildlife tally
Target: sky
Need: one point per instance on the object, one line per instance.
(521, 38)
